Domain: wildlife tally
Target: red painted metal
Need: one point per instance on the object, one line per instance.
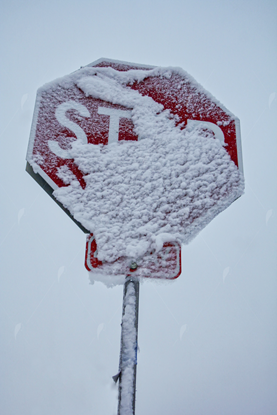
(177, 93)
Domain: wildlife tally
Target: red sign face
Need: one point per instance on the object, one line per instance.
(64, 113)
(165, 264)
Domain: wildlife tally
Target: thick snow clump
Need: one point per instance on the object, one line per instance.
(139, 194)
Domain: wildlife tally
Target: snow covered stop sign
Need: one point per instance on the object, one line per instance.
(136, 155)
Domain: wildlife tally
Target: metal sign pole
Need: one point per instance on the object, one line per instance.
(128, 350)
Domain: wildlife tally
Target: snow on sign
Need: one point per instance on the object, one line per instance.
(139, 156)
(166, 263)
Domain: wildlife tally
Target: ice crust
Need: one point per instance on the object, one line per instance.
(166, 186)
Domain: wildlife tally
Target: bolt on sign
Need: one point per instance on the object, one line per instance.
(141, 158)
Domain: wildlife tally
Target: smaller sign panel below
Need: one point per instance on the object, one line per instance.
(164, 264)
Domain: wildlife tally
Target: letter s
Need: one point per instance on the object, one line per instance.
(75, 128)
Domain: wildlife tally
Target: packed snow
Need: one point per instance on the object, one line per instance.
(166, 186)
(128, 357)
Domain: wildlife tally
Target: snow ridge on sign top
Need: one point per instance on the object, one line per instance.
(140, 194)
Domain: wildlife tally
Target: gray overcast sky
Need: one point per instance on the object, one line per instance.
(207, 341)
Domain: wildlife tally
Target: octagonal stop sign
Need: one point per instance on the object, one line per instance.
(63, 114)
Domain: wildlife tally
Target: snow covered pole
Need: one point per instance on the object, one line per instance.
(128, 352)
